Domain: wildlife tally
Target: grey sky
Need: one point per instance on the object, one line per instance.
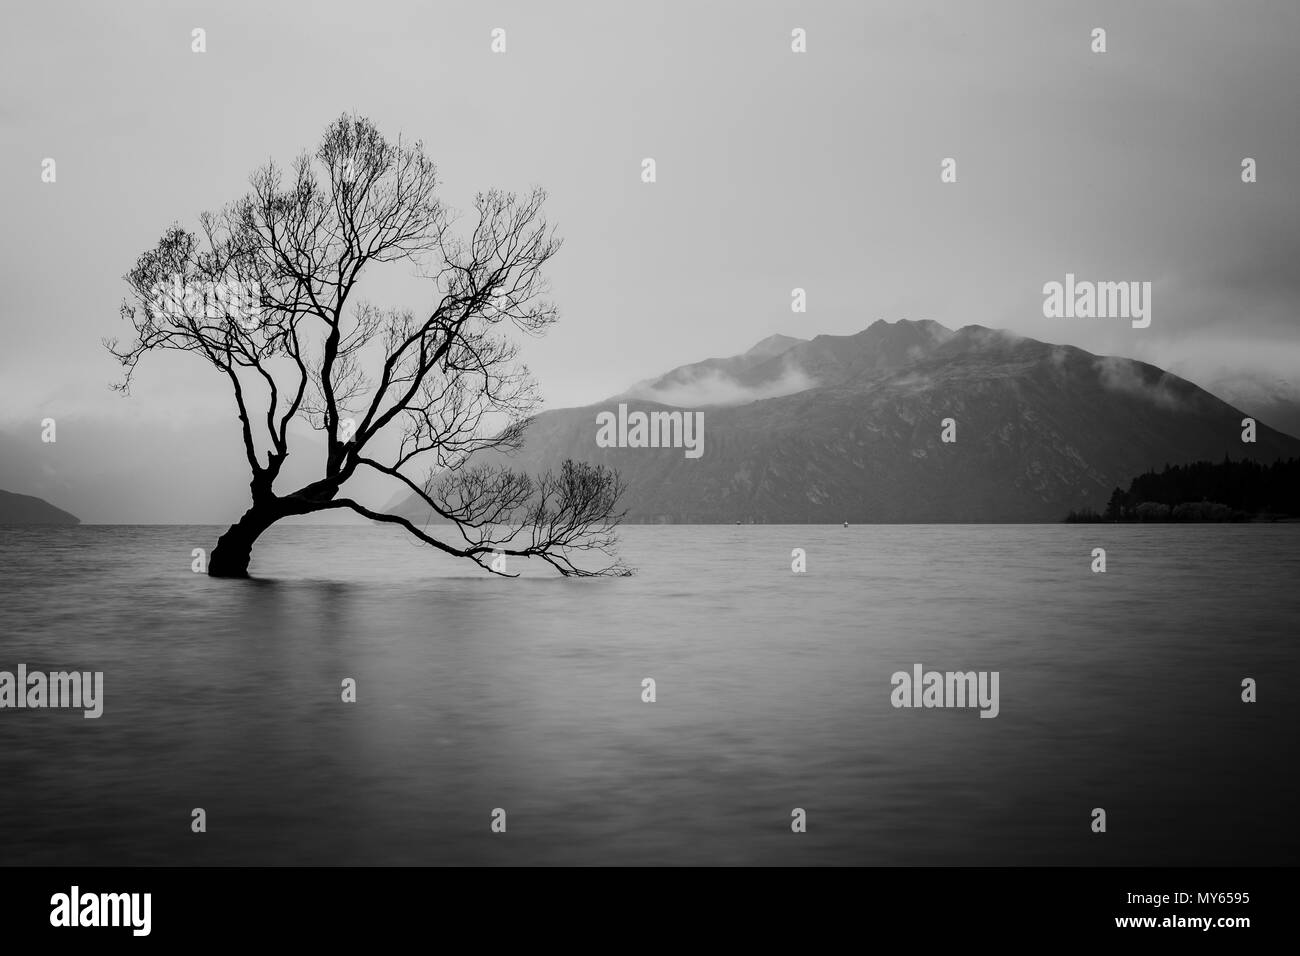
(775, 170)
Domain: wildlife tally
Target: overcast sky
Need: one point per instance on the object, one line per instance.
(775, 170)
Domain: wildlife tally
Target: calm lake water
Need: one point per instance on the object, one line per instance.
(1118, 690)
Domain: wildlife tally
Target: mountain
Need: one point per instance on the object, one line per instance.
(1269, 398)
(758, 373)
(1040, 429)
(24, 509)
(780, 365)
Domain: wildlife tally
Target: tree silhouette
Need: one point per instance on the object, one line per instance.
(266, 294)
(1115, 507)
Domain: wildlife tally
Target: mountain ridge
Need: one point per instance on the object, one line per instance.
(16, 509)
(1041, 429)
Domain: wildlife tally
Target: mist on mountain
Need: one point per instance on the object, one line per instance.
(1040, 429)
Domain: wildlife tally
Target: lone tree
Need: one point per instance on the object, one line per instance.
(266, 295)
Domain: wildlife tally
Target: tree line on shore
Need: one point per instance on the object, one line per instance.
(1205, 491)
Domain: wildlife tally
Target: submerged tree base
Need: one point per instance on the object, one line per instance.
(234, 551)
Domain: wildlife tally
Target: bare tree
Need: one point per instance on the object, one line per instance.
(265, 293)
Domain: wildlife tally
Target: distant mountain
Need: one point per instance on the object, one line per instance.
(24, 509)
(1271, 400)
(1041, 429)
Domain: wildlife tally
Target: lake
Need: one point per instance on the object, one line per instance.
(1119, 690)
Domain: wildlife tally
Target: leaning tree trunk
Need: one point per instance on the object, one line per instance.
(234, 549)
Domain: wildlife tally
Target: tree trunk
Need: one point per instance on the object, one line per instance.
(234, 549)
